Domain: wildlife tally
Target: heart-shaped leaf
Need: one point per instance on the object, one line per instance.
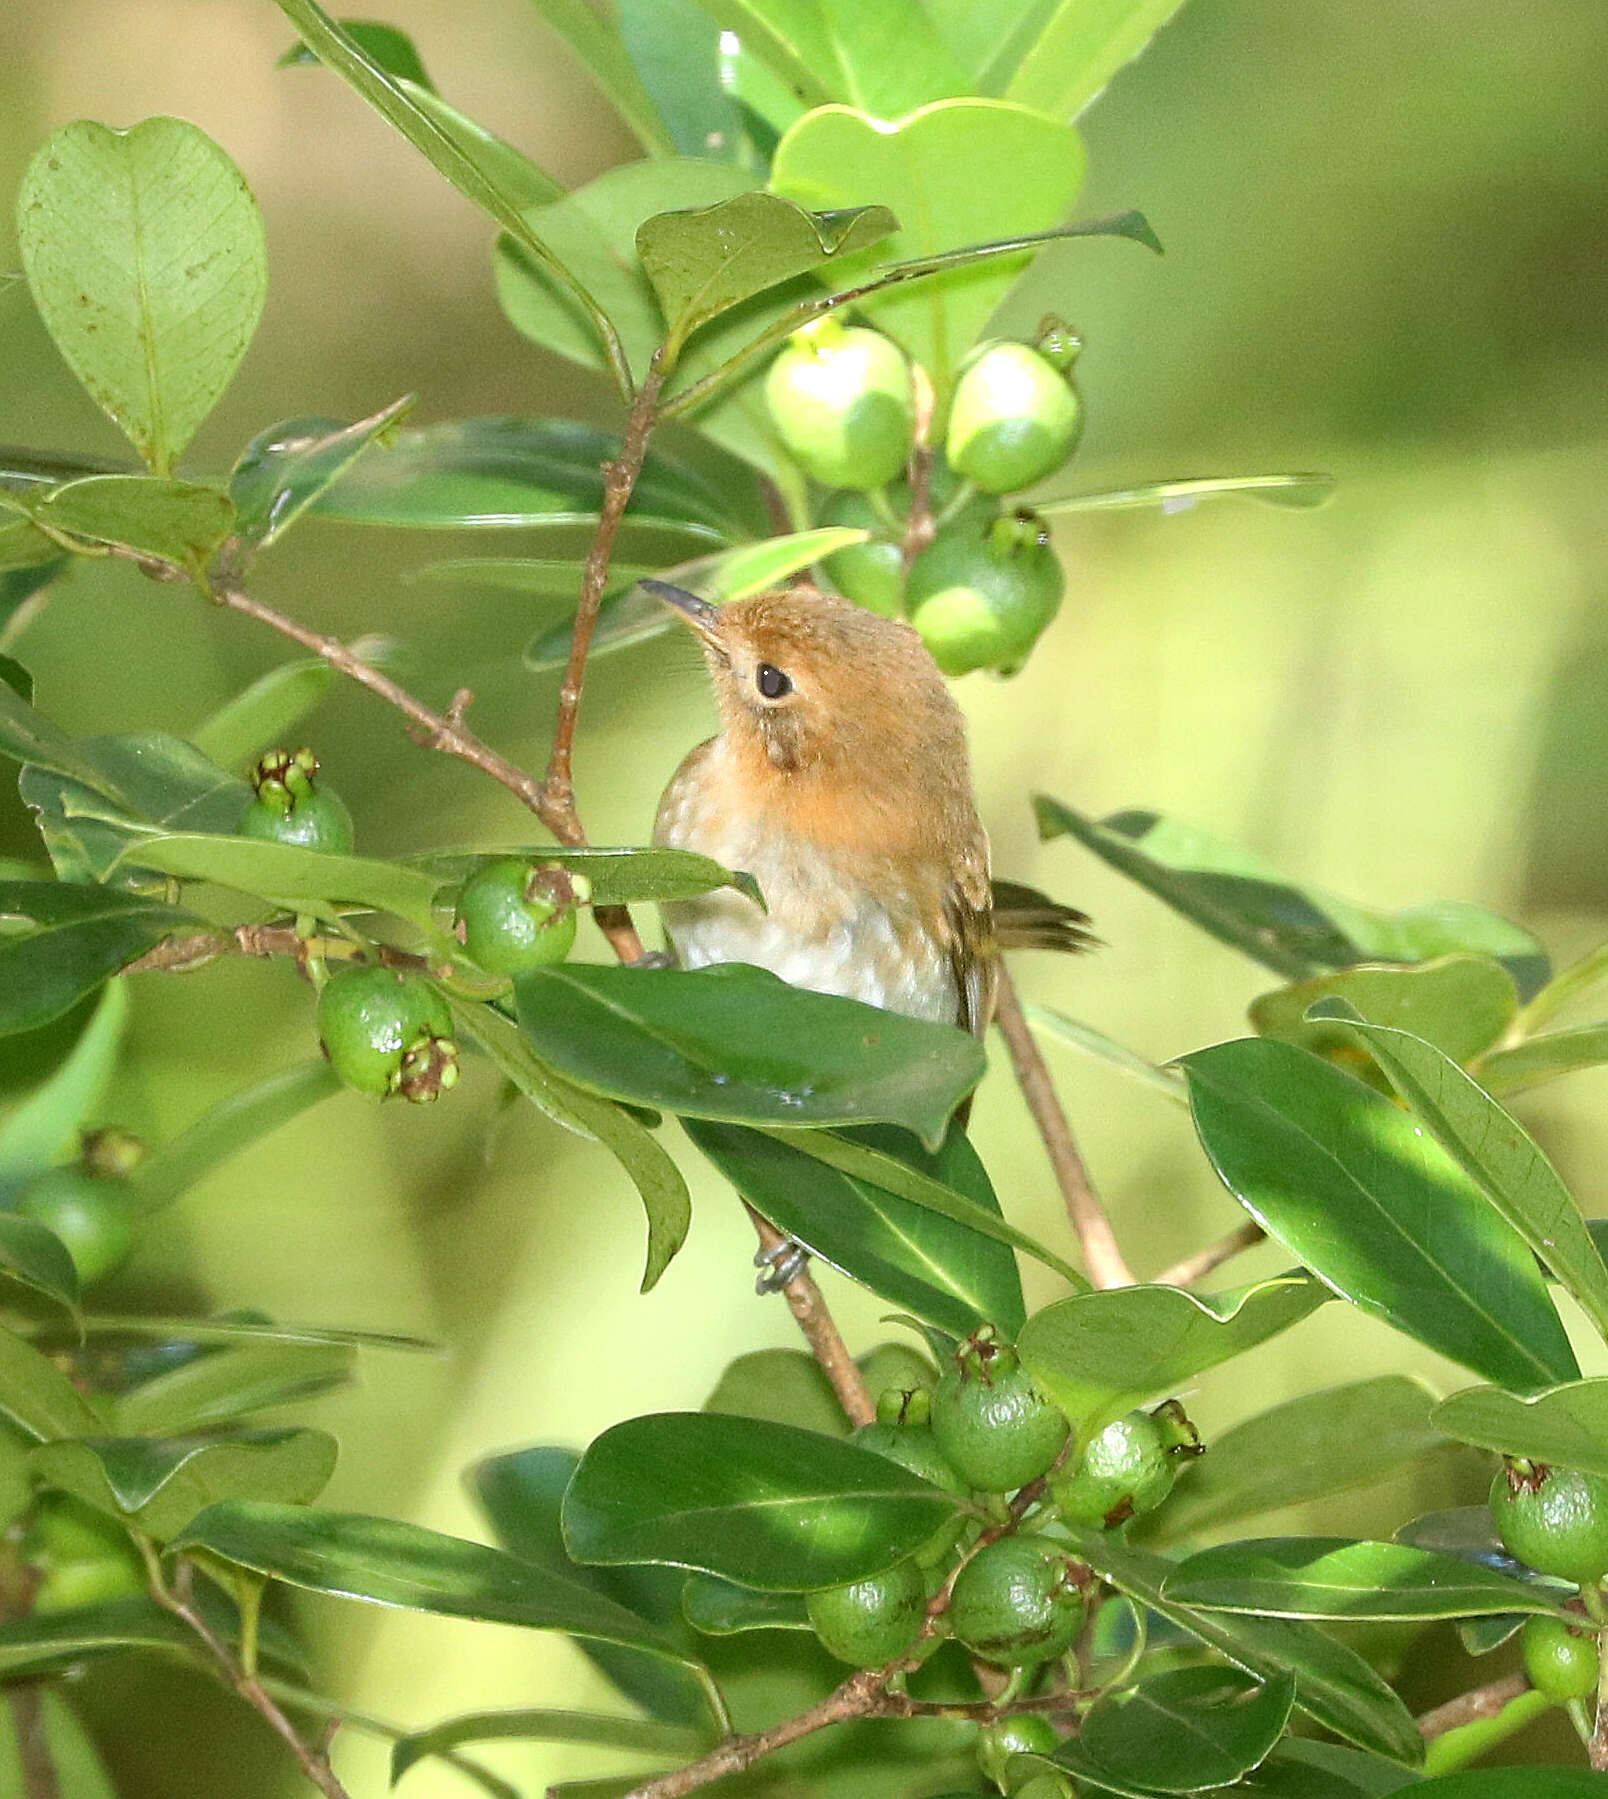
(145, 255)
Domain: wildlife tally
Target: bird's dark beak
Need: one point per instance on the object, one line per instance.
(703, 618)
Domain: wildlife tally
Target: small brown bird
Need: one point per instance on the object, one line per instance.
(840, 781)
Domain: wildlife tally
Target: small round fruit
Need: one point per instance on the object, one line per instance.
(514, 917)
(1015, 418)
(288, 807)
(91, 1214)
(1555, 1520)
(871, 1622)
(1127, 1470)
(81, 1556)
(844, 403)
(1023, 1733)
(990, 1420)
(387, 1032)
(914, 1448)
(1559, 1662)
(871, 573)
(981, 594)
(1016, 1603)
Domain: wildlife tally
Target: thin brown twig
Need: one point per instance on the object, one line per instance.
(820, 1330)
(1101, 1256)
(1190, 1269)
(25, 1701)
(1480, 1702)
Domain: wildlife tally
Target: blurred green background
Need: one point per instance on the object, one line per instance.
(1386, 232)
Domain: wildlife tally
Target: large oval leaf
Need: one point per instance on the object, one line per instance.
(1375, 1207)
(762, 1504)
(1567, 1425)
(1462, 1004)
(1187, 1728)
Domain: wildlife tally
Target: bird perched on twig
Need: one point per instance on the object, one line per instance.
(840, 780)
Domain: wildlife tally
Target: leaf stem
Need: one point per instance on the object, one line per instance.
(1196, 1267)
(1101, 1256)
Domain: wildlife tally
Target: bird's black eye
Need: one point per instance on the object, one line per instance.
(771, 682)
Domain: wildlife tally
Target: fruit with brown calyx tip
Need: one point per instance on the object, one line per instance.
(1560, 1662)
(992, 1422)
(1017, 1603)
(389, 1032)
(514, 916)
(1016, 415)
(1021, 1733)
(871, 1622)
(1127, 1469)
(89, 1204)
(982, 593)
(1555, 1520)
(291, 805)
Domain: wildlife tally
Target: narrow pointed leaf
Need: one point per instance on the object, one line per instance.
(217, 1389)
(645, 1735)
(720, 1608)
(597, 46)
(734, 1043)
(762, 1504)
(1085, 1037)
(283, 470)
(231, 1329)
(1373, 1205)
(1080, 48)
(1567, 1425)
(1544, 1058)
(145, 255)
(47, 1642)
(392, 49)
(268, 710)
(178, 522)
(1297, 491)
(43, 1130)
(29, 737)
(1098, 1354)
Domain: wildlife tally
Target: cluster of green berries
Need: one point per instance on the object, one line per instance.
(1555, 1520)
(843, 399)
(1019, 1600)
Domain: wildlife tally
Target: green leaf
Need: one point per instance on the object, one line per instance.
(1331, 1577)
(619, 877)
(1297, 931)
(179, 522)
(387, 1562)
(1350, 1184)
(29, 737)
(720, 1608)
(480, 177)
(1307, 1448)
(43, 1130)
(1334, 1685)
(46, 1642)
(655, 1176)
(230, 1328)
(37, 1397)
(598, 48)
(1495, 1151)
(158, 1484)
(268, 710)
(631, 615)
(645, 1735)
(228, 1127)
(675, 49)
(145, 255)
(1544, 1058)
(1185, 1729)
(1297, 491)
(67, 941)
(23, 548)
(393, 50)
(765, 1505)
(1081, 47)
(285, 469)
(1098, 1354)
(704, 261)
(1301, 1768)
(786, 1386)
(514, 472)
(217, 1389)
(1461, 1004)
(736, 1044)
(1080, 1036)
(789, 40)
(959, 172)
(1567, 1425)
(36, 1258)
(940, 1269)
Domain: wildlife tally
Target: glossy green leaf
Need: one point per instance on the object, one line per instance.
(1544, 1058)
(222, 1130)
(393, 50)
(37, 1397)
(934, 1266)
(36, 1258)
(515, 472)
(597, 46)
(283, 470)
(43, 1129)
(675, 49)
(762, 1504)
(655, 1176)
(387, 1562)
(29, 737)
(458, 155)
(1461, 1004)
(736, 1044)
(23, 547)
(1512, 1783)
(233, 1383)
(178, 522)
(1321, 1443)
(1567, 1425)
(704, 261)
(1495, 1151)
(1098, 1354)
(720, 1608)
(785, 1386)
(644, 1735)
(158, 1484)
(145, 255)
(1302, 1768)
(1330, 1577)
(1080, 1036)
(229, 1329)
(1187, 1728)
(618, 877)
(633, 615)
(1373, 1205)
(59, 942)
(958, 172)
(1299, 491)
(44, 1643)
(1335, 1687)
(1297, 931)
(1080, 48)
